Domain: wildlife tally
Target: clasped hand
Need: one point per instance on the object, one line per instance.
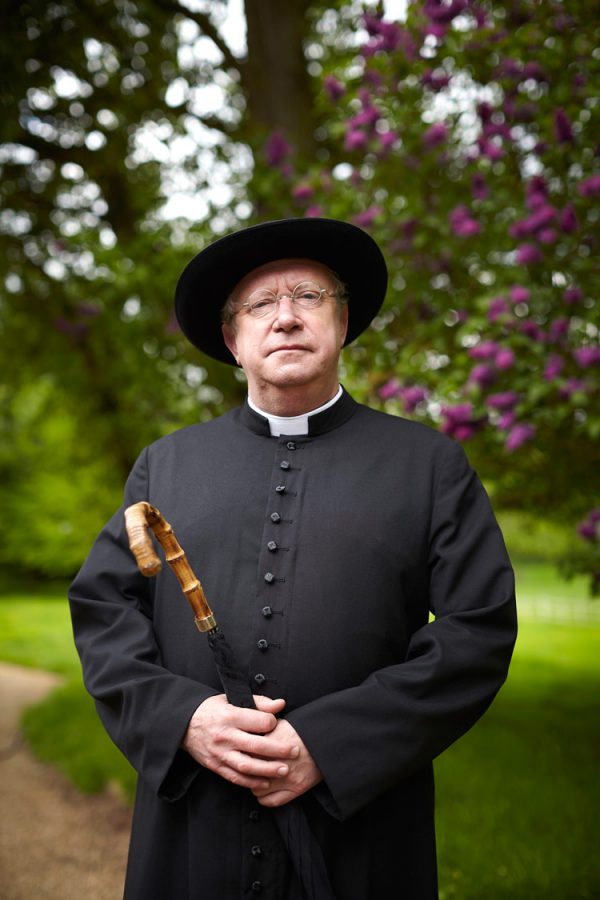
(252, 748)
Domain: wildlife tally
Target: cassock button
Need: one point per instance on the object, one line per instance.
(275, 517)
(254, 815)
(269, 577)
(284, 464)
(256, 887)
(256, 850)
(262, 644)
(260, 678)
(272, 546)
(280, 488)
(267, 612)
(290, 445)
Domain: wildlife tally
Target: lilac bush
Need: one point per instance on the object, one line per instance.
(466, 140)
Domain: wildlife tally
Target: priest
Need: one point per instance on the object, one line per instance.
(352, 559)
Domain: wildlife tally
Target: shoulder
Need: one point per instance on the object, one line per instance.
(396, 429)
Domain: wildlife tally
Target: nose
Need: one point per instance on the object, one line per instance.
(286, 317)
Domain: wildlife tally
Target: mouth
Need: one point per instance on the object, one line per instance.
(287, 347)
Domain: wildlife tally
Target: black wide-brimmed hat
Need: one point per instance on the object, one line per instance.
(210, 277)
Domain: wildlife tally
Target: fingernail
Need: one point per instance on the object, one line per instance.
(282, 770)
(295, 752)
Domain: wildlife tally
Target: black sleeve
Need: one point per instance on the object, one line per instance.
(144, 707)
(367, 738)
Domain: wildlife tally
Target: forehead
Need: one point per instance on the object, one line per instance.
(283, 273)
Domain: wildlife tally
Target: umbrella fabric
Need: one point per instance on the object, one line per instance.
(304, 851)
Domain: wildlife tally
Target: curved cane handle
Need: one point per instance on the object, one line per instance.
(140, 543)
(138, 518)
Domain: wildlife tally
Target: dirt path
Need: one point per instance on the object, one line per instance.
(55, 843)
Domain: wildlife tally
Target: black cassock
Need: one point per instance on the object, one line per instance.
(321, 556)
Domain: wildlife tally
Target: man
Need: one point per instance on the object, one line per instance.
(324, 534)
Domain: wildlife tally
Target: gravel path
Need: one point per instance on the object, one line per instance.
(55, 843)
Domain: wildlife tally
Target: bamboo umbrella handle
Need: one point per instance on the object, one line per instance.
(138, 518)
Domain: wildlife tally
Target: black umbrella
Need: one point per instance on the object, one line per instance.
(302, 846)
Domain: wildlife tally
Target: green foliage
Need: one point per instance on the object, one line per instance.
(35, 627)
(79, 747)
(519, 785)
(101, 125)
(522, 783)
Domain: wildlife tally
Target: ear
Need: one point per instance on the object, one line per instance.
(344, 316)
(230, 340)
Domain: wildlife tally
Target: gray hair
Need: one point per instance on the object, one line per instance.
(340, 292)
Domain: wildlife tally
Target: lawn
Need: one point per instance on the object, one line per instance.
(517, 797)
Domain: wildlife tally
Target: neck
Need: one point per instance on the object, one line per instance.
(295, 401)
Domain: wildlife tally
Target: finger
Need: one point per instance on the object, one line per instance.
(240, 780)
(252, 721)
(275, 798)
(255, 768)
(266, 747)
(265, 704)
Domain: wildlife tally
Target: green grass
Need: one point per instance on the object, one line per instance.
(517, 797)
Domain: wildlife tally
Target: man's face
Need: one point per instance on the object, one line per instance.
(293, 347)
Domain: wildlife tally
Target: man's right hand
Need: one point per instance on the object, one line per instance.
(235, 743)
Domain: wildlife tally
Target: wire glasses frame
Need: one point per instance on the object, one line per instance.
(306, 295)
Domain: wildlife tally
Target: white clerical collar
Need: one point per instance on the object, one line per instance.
(292, 424)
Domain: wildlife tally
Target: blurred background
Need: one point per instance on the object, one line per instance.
(464, 136)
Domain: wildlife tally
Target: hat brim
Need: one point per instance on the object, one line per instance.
(210, 277)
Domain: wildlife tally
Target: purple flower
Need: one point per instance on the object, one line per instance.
(479, 187)
(594, 515)
(507, 420)
(459, 422)
(533, 331)
(462, 223)
(443, 13)
(387, 138)
(554, 367)
(436, 79)
(366, 218)
(483, 375)
(563, 127)
(367, 116)
(491, 149)
(390, 389)
(587, 530)
(498, 307)
(519, 294)
(572, 295)
(505, 358)
(314, 212)
(503, 401)
(412, 396)
(355, 140)
(528, 254)
(589, 187)
(277, 148)
(558, 329)
(541, 218)
(435, 135)
(484, 350)
(461, 414)
(303, 191)
(333, 88)
(518, 435)
(568, 219)
(547, 236)
(586, 357)
(537, 192)
(573, 386)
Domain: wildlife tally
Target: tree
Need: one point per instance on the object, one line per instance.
(465, 139)
(462, 137)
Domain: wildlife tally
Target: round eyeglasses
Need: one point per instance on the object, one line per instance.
(306, 295)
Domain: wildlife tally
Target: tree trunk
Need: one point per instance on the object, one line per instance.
(277, 84)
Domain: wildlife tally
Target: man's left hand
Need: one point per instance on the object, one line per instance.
(303, 773)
